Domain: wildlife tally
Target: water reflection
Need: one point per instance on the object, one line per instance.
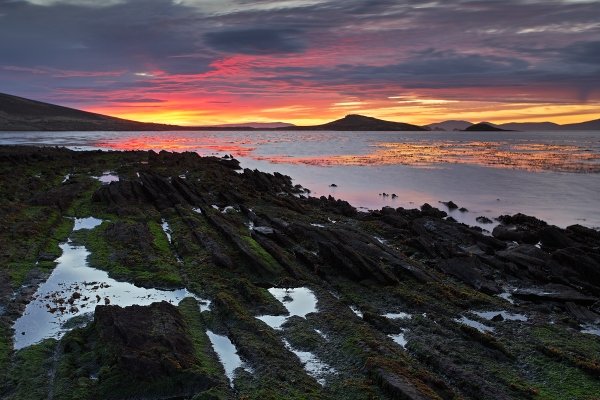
(399, 339)
(297, 301)
(499, 154)
(474, 324)
(108, 177)
(86, 223)
(227, 353)
(508, 316)
(74, 290)
(205, 144)
(312, 364)
(488, 173)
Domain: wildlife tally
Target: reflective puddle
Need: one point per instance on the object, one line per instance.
(297, 301)
(399, 339)
(86, 223)
(356, 311)
(507, 296)
(322, 334)
(398, 315)
(107, 177)
(312, 364)
(474, 324)
(74, 290)
(167, 230)
(591, 330)
(227, 353)
(507, 316)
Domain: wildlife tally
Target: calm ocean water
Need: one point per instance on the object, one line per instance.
(552, 175)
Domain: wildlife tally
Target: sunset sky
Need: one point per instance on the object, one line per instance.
(201, 62)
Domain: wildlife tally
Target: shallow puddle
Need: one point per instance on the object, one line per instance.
(108, 177)
(508, 316)
(274, 321)
(380, 240)
(474, 324)
(227, 353)
(398, 315)
(399, 339)
(507, 296)
(313, 366)
(298, 301)
(73, 290)
(265, 230)
(591, 330)
(86, 223)
(167, 230)
(356, 311)
(322, 334)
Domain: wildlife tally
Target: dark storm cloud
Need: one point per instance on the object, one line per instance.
(445, 67)
(412, 44)
(432, 62)
(135, 35)
(256, 41)
(583, 52)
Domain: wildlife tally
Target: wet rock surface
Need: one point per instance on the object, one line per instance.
(149, 343)
(235, 234)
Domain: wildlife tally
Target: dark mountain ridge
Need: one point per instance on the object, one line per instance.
(21, 114)
(484, 127)
(355, 122)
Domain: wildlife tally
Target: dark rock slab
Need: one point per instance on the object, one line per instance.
(150, 344)
(554, 292)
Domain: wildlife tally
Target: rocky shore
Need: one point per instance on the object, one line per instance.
(409, 304)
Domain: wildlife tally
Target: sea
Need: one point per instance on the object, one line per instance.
(554, 176)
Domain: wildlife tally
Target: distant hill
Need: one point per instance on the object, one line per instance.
(531, 126)
(355, 122)
(593, 125)
(551, 126)
(451, 125)
(20, 114)
(483, 127)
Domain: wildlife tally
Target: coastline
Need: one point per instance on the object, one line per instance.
(544, 175)
(237, 234)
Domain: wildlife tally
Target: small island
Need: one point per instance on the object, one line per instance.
(484, 127)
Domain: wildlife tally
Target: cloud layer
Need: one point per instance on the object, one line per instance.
(200, 61)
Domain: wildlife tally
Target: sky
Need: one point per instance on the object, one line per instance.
(204, 62)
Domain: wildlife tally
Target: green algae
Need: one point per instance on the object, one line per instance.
(208, 363)
(519, 361)
(149, 264)
(28, 375)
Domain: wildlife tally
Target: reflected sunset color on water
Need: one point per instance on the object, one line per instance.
(509, 150)
(554, 176)
(529, 157)
(178, 142)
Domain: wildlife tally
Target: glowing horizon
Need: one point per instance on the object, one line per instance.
(563, 114)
